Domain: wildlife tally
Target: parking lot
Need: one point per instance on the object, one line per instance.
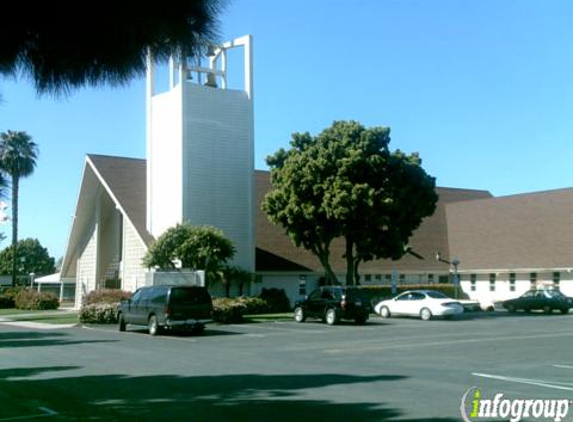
(387, 370)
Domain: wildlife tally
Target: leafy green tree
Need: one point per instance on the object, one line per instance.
(196, 247)
(18, 155)
(346, 183)
(64, 45)
(32, 258)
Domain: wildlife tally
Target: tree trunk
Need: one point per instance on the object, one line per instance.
(356, 274)
(349, 262)
(15, 188)
(328, 272)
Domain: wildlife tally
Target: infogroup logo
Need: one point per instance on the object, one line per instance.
(475, 407)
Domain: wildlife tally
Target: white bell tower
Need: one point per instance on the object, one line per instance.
(200, 149)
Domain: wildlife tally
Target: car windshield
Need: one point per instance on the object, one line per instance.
(437, 295)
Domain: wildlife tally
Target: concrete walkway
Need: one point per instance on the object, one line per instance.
(15, 320)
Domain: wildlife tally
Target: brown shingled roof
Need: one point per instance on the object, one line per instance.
(533, 230)
(431, 237)
(126, 178)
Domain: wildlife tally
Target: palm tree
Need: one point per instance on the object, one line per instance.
(18, 155)
(108, 43)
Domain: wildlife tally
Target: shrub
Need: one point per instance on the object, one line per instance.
(228, 311)
(254, 305)
(33, 300)
(99, 313)
(7, 296)
(106, 296)
(276, 299)
(6, 302)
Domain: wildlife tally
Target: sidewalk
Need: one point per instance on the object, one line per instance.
(15, 320)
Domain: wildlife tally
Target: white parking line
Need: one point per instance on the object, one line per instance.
(563, 366)
(540, 383)
(414, 344)
(45, 410)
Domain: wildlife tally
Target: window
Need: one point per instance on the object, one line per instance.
(430, 278)
(388, 278)
(492, 282)
(378, 277)
(512, 278)
(402, 278)
(315, 295)
(368, 277)
(473, 282)
(302, 285)
(533, 280)
(556, 280)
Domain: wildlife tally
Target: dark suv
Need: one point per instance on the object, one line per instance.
(172, 307)
(333, 303)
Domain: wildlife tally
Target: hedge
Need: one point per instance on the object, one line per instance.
(231, 310)
(276, 299)
(99, 313)
(30, 299)
(228, 310)
(106, 296)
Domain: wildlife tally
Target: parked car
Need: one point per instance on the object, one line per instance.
(423, 303)
(333, 303)
(546, 300)
(167, 307)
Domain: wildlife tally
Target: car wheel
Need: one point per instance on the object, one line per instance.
(564, 311)
(385, 312)
(425, 314)
(547, 310)
(511, 308)
(153, 325)
(122, 324)
(331, 316)
(299, 315)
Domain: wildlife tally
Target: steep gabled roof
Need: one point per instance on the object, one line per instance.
(124, 181)
(526, 231)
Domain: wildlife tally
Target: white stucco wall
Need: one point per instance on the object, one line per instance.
(165, 161)
(502, 288)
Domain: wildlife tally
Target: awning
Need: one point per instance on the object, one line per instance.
(54, 279)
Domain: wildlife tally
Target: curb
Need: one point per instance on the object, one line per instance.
(36, 325)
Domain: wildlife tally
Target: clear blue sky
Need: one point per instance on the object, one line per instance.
(483, 89)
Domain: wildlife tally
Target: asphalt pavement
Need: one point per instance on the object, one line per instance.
(387, 370)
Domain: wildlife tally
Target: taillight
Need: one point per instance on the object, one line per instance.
(343, 304)
(168, 311)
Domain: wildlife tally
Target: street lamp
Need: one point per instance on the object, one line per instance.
(32, 276)
(455, 263)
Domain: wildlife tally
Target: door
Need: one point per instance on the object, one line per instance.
(316, 303)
